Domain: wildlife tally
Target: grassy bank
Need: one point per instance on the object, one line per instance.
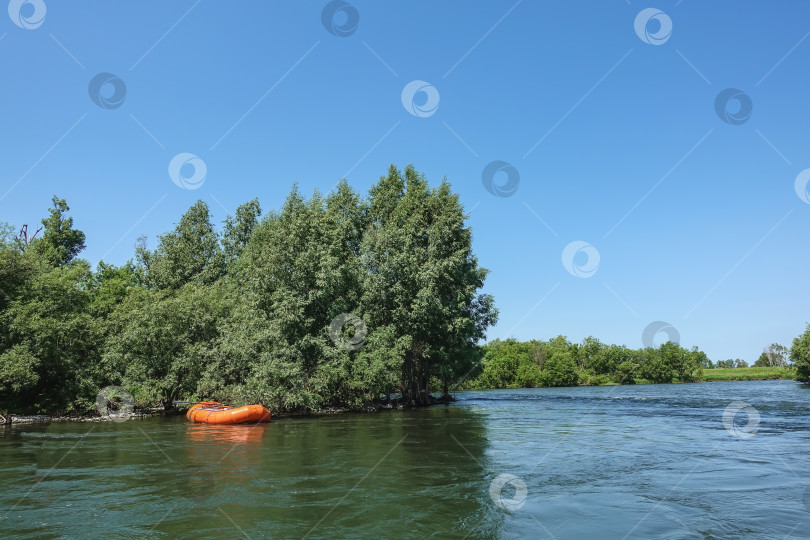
(748, 374)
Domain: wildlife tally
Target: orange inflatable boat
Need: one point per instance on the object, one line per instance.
(214, 412)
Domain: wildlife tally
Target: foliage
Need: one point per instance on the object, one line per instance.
(162, 341)
(189, 254)
(558, 362)
(762, 361)
(239, 229)
(774, 355)
(731, 364)
(60, 242)
(329, 302)
(511, 364)
(560, 370)
(7, 238)
(50, 340)
(248, 313)
(420, 280)
(800, 355)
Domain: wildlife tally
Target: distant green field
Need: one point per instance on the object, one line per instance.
(748, 374)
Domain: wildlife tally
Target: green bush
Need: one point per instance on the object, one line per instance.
(560, 370)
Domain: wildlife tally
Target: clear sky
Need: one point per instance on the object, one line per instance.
(614, 124)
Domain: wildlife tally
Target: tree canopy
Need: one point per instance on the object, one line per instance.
(330, 301)
(800, 355)
(558, 362)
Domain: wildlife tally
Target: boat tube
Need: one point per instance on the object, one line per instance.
(214, 412)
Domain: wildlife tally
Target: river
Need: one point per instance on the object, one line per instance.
(651, 461)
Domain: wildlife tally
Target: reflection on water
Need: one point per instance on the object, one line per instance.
(612, 462)
(211, 434)
(218, 456)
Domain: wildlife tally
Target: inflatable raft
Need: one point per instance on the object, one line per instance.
(214, 412)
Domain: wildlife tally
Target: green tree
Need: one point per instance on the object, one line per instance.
(161, 342)
(776, 355)
(189, 254)
(590, 355)
(509, 364)
(19, 373)
(7, 238)
(680, 363)
(652, 366)
(239, 228)
(422, 278)
(109, 286)
(560, 370)
(626, 372)
(303, 271)
(51, 342)
(701, 358)
(800, 355)
(60, 242)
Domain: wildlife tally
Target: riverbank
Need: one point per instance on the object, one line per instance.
(709, 375)
(37, 418)
(376, 406)
(748, 374)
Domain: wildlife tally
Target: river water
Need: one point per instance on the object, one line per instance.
(652, 461)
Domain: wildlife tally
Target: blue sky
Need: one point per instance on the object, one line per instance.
(614, 134)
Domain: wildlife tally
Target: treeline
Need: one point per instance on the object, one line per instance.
(559, 362)
(774, 355)
(331, 301)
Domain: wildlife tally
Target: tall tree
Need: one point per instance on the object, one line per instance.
(52, 342)
(800, 355)
(776, 354)
(422, 278)
(109, 286)
(299, 278)
(7, 238)
(189, 254)
(60, 242)
(161, 342)
(239, 228)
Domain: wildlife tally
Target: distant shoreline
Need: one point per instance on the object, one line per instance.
(748, 374)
